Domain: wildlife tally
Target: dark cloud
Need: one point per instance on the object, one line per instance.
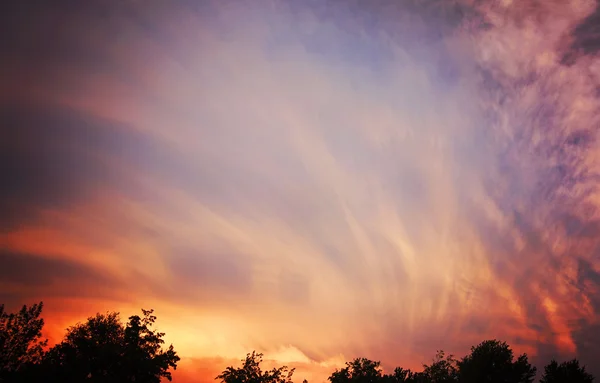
(37, 277)
(585, 38)
(41, 277)
(587, 340)
(65, 40)
(58, 36)
(54, 157)
(587, 335)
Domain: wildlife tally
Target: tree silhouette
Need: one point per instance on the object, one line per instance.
(566, 372)
(358, 371)
(250, 372)
(90, 351)
(443, 369)
(143, 355)
(20, 340)
(492, 362)
(401, 375)
(104, 350)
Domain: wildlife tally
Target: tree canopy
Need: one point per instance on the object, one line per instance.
(443, 369)
(492, 361)
(251, 372)
(566, 372)
(104, 349)
(359, 370)
(21, 343)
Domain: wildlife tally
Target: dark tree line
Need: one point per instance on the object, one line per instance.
(102, 349)
(491, 361)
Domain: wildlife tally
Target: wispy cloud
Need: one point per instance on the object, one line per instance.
(310, 178)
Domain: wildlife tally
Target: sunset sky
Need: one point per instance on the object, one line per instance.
(317, 180)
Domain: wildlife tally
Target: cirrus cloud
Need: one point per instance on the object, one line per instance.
(330, 180)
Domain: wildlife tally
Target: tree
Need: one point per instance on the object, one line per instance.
(442, 370)
(90, 351)
(251, 372)
(103, 349)
(566, 372)
(360, 370)
(21, 345)
(401, 375)
(146, 360)
(492, 362)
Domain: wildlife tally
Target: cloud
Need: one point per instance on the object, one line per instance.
(25, 275)
(318, 178)
(57, 158)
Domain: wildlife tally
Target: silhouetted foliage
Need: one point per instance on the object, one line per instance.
(443, 369)
(21, 345)
(251, 372)
(492, 362)
(566, 372)
(489, 362)
(401, 375)
(90, 351)
(359, 370)
(104, 350)
(143, 350)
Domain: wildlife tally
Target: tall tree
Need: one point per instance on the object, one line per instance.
(566, 372)
(251, 372)
(492, 362)
(21, 343)
(103, 349)
(143, 353)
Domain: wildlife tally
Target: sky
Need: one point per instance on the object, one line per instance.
(314, 180)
